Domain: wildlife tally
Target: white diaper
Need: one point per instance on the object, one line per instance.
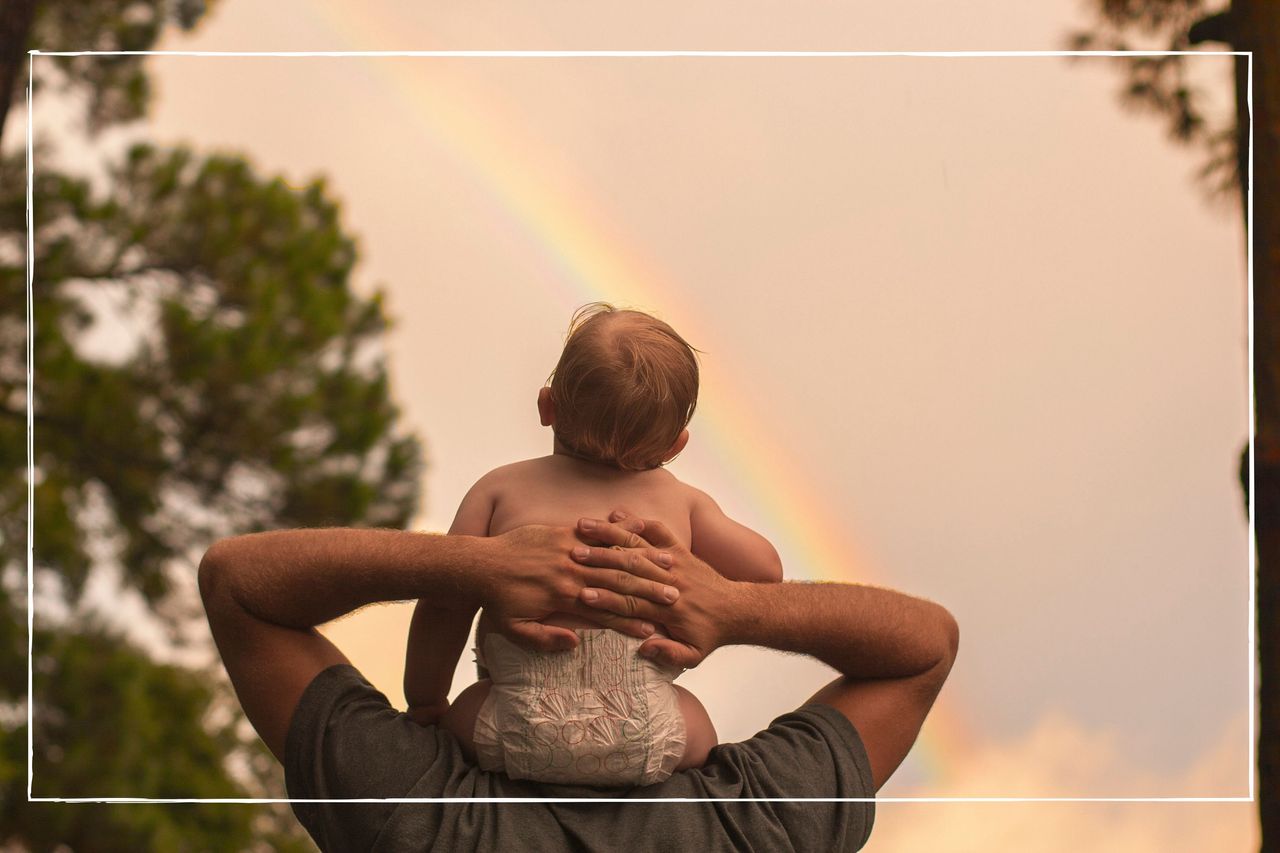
(598, 715)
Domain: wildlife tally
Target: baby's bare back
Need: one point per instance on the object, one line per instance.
(558, 490)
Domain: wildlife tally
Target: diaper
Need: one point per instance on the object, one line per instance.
(597, 715)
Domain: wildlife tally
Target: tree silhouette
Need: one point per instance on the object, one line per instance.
(112, 722)
(115, 88)
(240, 387)
(1160, 84)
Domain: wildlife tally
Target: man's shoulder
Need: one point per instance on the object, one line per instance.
(812, 755)
(819, 722)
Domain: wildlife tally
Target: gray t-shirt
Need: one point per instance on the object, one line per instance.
(346, 741)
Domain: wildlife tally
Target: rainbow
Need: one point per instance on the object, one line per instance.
(598, 265)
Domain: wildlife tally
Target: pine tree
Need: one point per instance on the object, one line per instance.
(242, 388)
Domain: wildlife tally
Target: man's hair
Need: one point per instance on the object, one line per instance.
(624, 389)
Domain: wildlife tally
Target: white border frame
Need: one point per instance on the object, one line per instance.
(587, 54)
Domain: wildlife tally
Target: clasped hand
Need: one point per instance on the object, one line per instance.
(626, 573)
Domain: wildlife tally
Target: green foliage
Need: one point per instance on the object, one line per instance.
(250, 394)
(115, 88)
(1161, 84)
(96, 691)
(75, 671)
(113, 724)
(243, 390)
(255, 400)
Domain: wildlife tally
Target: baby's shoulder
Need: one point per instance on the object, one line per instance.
(514, 472)
(699, 503)
(689, 496)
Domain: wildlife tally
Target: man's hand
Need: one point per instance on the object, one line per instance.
(264, 593)
(893, 651)
(531, 573)
(697, 621)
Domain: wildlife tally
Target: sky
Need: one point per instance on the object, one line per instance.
(969, 330)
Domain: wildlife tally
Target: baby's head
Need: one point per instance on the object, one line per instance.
(624, 389)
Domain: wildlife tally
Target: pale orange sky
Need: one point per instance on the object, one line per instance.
(966, 313)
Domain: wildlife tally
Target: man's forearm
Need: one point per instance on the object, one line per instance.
(893, 651)
(264, 593)
(303, 578)
(862, 631)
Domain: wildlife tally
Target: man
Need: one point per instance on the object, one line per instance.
(338, 738)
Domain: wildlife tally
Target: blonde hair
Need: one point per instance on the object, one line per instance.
(624, 389)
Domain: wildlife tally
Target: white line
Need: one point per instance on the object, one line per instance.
(640, 54)
(1253, 491)
(251, 800)
(31, 488)
(635, 54)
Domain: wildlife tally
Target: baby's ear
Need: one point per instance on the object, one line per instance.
(681, 440)
(546, 407)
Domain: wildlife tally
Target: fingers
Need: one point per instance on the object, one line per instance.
(654, 532)
(638, 571)
(623, 535)
(632, 626)
(543, 638)
(671, 653)
(605, 604)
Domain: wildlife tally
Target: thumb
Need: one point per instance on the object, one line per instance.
(670, 652)
(543, 638)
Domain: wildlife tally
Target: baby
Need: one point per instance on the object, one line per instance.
(618, 404)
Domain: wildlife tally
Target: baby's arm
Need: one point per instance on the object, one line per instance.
(437, 637)
(732, 549)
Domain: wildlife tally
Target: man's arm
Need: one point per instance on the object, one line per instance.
(264, 593)
(893, 651)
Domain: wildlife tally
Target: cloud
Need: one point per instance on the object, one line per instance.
(1060, 757)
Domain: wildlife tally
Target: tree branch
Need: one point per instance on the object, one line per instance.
(1220, 27)
(15, 26)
